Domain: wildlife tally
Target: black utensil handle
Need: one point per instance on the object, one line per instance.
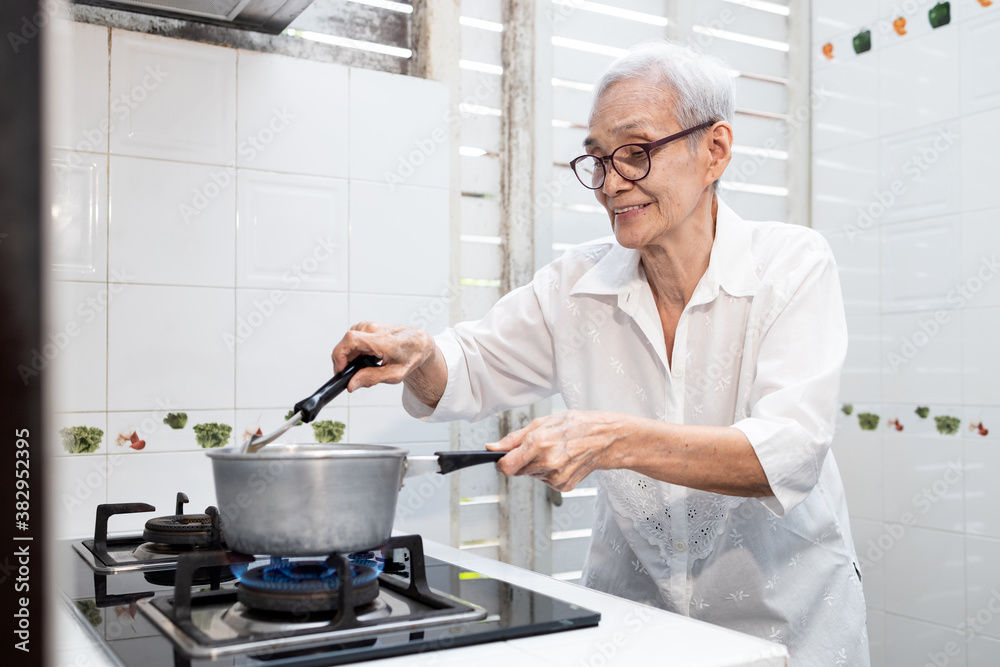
(452, 461)
(311, 406)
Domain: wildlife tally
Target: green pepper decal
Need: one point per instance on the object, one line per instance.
(940, 14)
(863, 41)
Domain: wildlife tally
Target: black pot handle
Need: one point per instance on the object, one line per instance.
(311, 406)
(452, 461)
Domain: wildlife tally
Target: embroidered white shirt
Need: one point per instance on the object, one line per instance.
(759, 347)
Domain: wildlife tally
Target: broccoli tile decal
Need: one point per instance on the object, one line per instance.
(946, 424)
(328, 431)
(868, 421)
(212, 435)
(81, 439)
(176, 420)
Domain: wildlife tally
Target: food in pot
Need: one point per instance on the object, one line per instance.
(212, 434)
(81, 439)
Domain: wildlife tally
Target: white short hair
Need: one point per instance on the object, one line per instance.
(703, 86)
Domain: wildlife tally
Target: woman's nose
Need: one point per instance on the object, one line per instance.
(613, 182)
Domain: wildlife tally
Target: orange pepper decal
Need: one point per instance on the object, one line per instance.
(986, 3)
(899, 25)
(828, 51)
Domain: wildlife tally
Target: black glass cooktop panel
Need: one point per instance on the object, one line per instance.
(109, 604)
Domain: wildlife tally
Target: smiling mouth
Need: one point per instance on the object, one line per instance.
(619, 211)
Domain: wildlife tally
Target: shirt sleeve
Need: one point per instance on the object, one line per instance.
(502, 361)
(794, 395)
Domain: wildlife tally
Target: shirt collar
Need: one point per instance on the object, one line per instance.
(730, 266)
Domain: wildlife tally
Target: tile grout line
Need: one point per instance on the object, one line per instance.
(107, 287)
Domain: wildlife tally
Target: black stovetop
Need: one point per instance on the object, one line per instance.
(111, 603)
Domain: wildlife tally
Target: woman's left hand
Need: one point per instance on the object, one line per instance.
(564, 448)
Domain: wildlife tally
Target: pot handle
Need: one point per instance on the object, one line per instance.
(452, 461)
(311, 406)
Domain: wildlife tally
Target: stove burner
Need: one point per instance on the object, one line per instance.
(180, 529)
(157, 550)
(304, 586)
(245, 620)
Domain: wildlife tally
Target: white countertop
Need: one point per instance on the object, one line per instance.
(628, 634)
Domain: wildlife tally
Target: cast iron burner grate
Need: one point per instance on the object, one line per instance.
(297, 586)
(163, 540)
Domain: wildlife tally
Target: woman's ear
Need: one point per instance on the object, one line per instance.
(719, 140)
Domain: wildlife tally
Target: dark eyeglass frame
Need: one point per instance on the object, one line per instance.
(645, 147)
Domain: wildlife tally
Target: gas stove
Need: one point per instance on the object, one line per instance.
(176, 596)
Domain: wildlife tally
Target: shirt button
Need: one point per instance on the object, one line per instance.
(680, 545)
(677, 372)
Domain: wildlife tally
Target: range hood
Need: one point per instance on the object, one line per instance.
(270, 16)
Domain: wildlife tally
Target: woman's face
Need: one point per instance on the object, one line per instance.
(634, 111)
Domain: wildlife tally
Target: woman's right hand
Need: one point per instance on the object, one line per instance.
(408, 355)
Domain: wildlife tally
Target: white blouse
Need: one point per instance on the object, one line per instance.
(759, 347)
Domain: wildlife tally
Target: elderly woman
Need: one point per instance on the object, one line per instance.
(699, 355)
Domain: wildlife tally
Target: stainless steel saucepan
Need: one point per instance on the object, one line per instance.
(317, 499)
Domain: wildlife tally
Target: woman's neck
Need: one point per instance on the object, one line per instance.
(674, 266)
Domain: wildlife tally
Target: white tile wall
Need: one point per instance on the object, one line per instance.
(857, 253)
(79, 485)
(848, 112)
(925, 576)
(922, 357)
(206, 262)
(78, 238)
(909, 642)
(291, 115)
(920, 264)
(843, 188)
(980, 63)
(167, 347)
(392, 226)
(919, 81)
(292, 231)
(930, 101)
(984, 587)
(80, 87)
(919, 173)
(172, 99)
(74, 355)
(861, 379)
(980, 361)
(399, 129)
(979, 168)
(283, 344)
(172, 223)
(980, 267)
(982, 494)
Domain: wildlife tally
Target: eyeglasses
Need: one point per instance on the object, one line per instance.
(631, 161)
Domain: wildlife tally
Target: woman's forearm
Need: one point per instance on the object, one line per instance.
(719, 459)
